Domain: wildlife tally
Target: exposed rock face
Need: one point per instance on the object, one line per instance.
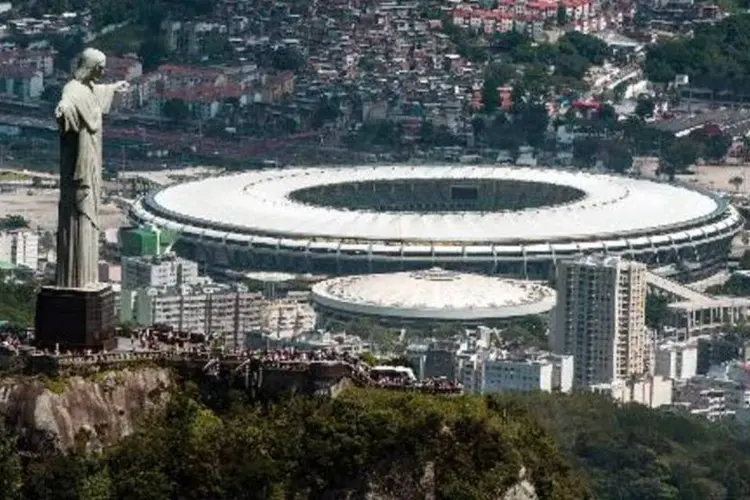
(395, 486)
(105, 407)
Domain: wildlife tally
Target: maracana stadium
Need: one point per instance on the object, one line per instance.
(493, 220)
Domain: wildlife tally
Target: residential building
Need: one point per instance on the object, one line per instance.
(37, 60)
(676, 360)
(158, 272)
(230, 312)
(129, 69)
(200, 101)
(441, 360)
(22, 83)
(651, 391)
(713, 399)
(20, 248)
(126, 68)
(109, 273)
(600, 319)
(499, 371)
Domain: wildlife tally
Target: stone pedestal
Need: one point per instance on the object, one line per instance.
(75, 318)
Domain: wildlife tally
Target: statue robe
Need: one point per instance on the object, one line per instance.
(79, 115)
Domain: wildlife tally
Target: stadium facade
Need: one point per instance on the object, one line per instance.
(493, 220)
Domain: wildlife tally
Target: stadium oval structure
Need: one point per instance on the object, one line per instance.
(428, 297)
(505, 220)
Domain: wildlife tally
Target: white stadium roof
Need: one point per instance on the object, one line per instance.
(434, 294)
(260, 203)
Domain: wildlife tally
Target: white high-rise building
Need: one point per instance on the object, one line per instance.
(20, 248)
(600, 319)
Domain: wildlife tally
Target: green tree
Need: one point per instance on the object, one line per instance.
(745, 260)
(175, 109)
(679, 155)
(11, 480)
(585, 150)
(716, 147)
(287, 59)
(594, 50)
(427, 133)
(619, 157)
(495, 76)
(657, 311)
(533, 120)
(67, 49)
(644, 108)
(152, 52)
(15, 221)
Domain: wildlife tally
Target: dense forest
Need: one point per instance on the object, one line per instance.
(397, 445)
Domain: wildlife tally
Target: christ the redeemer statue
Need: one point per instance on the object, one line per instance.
(79, 115)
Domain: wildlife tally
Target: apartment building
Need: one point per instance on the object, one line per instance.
(713, 399)
(226, 311)
(209, 309)
(20, 248)
(648, 390)
(22, 83)
(441, 359)
(600, 319)
(676, 360)
(523, 372)
(158, 271)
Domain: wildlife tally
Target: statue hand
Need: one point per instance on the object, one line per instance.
(64, 108)
(122, 86)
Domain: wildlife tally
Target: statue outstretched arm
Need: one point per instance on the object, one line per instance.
(105, 93)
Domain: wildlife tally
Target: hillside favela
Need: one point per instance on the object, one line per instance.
(374, 250)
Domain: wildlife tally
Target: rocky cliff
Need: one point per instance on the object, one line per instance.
(102, 407)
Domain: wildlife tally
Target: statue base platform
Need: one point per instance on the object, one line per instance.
(75, 319)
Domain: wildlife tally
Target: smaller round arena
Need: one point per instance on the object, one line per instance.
(430, 297)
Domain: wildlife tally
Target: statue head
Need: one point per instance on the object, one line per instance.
(90, 66)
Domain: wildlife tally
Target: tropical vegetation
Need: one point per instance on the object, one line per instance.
(397, 445)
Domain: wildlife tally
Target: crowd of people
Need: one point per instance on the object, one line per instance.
(10, 342)
(290, 357)
(154, 340)
(434, 385)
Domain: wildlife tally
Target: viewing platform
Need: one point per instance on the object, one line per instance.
(257, 371)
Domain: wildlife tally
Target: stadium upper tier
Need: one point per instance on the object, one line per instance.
(492, 219)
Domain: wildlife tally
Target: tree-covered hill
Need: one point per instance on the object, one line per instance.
(363, 442)
(399, 446)
(717, 56)
(635, 453)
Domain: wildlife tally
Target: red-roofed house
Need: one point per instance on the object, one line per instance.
(275, 87)
(175, 76)
(40, 60)
(169, 77)
(129, 69)
(123, 68)
(203, 101)
(577, 9)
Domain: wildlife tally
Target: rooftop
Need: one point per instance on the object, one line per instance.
(262, 202)
(435, 293)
